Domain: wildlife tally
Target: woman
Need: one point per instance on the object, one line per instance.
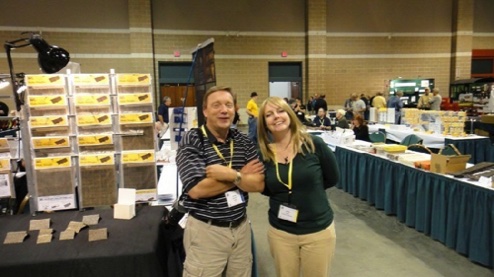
(360, 129)
(298, 169)
(321, 120)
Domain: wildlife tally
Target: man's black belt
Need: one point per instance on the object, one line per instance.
(221, 223)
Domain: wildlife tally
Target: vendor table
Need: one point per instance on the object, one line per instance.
(130, 250)
(456, 213)
(477, 146)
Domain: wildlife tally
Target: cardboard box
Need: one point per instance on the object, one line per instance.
(448, 164)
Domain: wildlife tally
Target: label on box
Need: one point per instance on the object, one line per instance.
(48, 121)
(138, 157)
(92, 100)
(101, 119)
(136, 118)
(133, 79)
(95, 140)
(47, 100)
(4, 164)
(50, 142)
(52, 162)
(56, 202)
(100, 159)
(44, 80)
(4, 143)
(145, 195)
(138, 98)
(91, 79)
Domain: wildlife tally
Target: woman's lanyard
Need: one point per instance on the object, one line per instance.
(218, 152)
(290, 170)
(321, 121)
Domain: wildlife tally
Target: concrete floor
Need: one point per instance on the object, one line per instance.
(369, 243)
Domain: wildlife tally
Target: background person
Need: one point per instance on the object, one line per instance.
(396, 103)
(302, 233)
(360, 129)
(321, 120)
(253, 112)
(435, 100)
(341, 119)
(218, 166)
(424, 99)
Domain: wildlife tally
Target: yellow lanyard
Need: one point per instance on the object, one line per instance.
(290, 170)
(218, 151)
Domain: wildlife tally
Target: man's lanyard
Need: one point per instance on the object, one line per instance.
(321, 121)
(290, 171)
(218, 152)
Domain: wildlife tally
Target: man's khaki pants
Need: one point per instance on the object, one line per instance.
(212, 250)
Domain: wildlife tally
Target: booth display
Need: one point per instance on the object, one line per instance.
(448, 123)
(90, 132)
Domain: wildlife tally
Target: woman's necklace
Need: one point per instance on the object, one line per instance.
(284, 152)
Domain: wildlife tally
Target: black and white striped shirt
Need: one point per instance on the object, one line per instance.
(195, 153)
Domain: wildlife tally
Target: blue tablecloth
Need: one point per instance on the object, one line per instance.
(458, 214)
(480, 148)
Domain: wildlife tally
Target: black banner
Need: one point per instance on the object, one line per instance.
(204, 73)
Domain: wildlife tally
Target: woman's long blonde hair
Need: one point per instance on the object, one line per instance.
(299, 135)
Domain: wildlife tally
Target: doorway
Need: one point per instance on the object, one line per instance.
(285, 79)
(174, 82)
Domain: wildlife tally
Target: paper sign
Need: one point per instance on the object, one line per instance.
(48, 121)
(146, 195)
(138, 157)
(50, 142)
(91, 79)
(136, 118)
(56, 202)
(92, 100)
(133, 79)
(100, 119)
(44, 80)
(5, 185)
(135, 98)
(39, 224)
(44, 238)
(52, 162)
(47, 101)
(102, 159)
(98, 234)
(85, 140)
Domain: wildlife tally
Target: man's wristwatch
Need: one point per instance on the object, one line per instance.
(238, 178)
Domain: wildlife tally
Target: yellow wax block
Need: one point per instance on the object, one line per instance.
(4, 143)
(138, 157)
(91, 99)
(52, 162)
(91, 79)
(48, 121)
(50, 142)
(47, 100)
(95, 140)
(133, 79)
(44, 80)
(138, 98)
(100, 159)
(4, 164)
(133, 118)
(101, 119)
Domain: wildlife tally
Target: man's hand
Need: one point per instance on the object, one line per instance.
(253, 167)
(220, 173)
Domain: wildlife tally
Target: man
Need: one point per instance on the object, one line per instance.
(348, 106)
(378, 102)
(218, 166)
(341, 120)
(435, 100)
(296, 109)
(253, 112)
(365, 98)
(163, 117)
(321, 103)
(424, 99)
(396, 103)
(358, 105)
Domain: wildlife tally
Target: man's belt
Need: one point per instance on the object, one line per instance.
(221, 223)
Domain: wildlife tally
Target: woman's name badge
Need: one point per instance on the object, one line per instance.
(234, 198)
(288, 212)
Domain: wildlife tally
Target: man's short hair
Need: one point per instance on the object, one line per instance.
(253, 94)
(212, 90)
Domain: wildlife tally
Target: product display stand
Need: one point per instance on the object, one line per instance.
(93, 132)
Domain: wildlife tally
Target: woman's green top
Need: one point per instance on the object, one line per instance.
(312, 174)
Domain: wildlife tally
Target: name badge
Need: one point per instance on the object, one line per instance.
(288, 212)
(234, 198)
(183, 222)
